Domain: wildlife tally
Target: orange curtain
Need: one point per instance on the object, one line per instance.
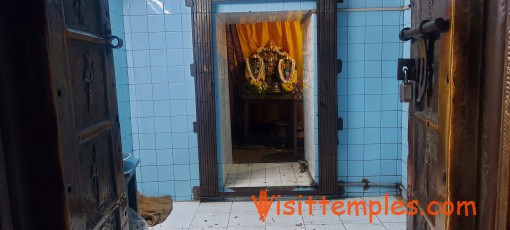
(287, 35)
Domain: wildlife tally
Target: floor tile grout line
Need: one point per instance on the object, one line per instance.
(251, 173)
(194, 214)
(229, 213)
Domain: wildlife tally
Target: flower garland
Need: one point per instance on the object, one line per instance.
(255, 73)
(287, 73)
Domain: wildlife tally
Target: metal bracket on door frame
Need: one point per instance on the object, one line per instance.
(339, 66)
(340, 124)
(195, 127)
(411, 66)
(429, 31)
(192, 69)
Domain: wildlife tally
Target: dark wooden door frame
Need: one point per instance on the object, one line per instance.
(467, 50)
(501, 216)
(491, 133)
(327, 96)
(31, 168)
(201, 13)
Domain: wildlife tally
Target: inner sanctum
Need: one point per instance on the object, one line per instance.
(266, 98)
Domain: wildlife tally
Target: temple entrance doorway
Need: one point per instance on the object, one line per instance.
(266, 94)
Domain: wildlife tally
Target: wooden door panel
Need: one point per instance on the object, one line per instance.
(443, 128)
(86, 104)
(422, 167)
(111, 222)
(83, 15)
(426, 167)
(95, 118)
(427, 159)
(97, 177)
(88, 83)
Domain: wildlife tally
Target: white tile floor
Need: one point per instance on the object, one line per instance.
(243, 215)
(267, 174)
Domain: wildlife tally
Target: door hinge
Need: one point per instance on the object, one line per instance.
(189, 3)
(192, 69)
(195, 127)
(340, 123)
(338, 66)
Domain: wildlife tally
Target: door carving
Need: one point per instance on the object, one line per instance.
(83, 83)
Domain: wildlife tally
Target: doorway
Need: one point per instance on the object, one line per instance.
(212, 164)
(266, 128)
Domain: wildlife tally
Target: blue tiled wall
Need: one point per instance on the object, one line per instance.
(159, 52)
(121, 74)
(161, 92)
(370, 144)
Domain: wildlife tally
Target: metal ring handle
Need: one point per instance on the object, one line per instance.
(401, 35)
(404, 69)
(110, 44)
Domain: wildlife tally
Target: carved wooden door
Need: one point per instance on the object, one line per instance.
(81, 64)
(426, 163)
(443, 120)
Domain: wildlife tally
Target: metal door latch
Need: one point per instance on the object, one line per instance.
(422, 69)
(406, 88)
(406, 73)
(426, 29)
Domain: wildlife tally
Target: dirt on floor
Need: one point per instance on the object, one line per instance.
(262, 154)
